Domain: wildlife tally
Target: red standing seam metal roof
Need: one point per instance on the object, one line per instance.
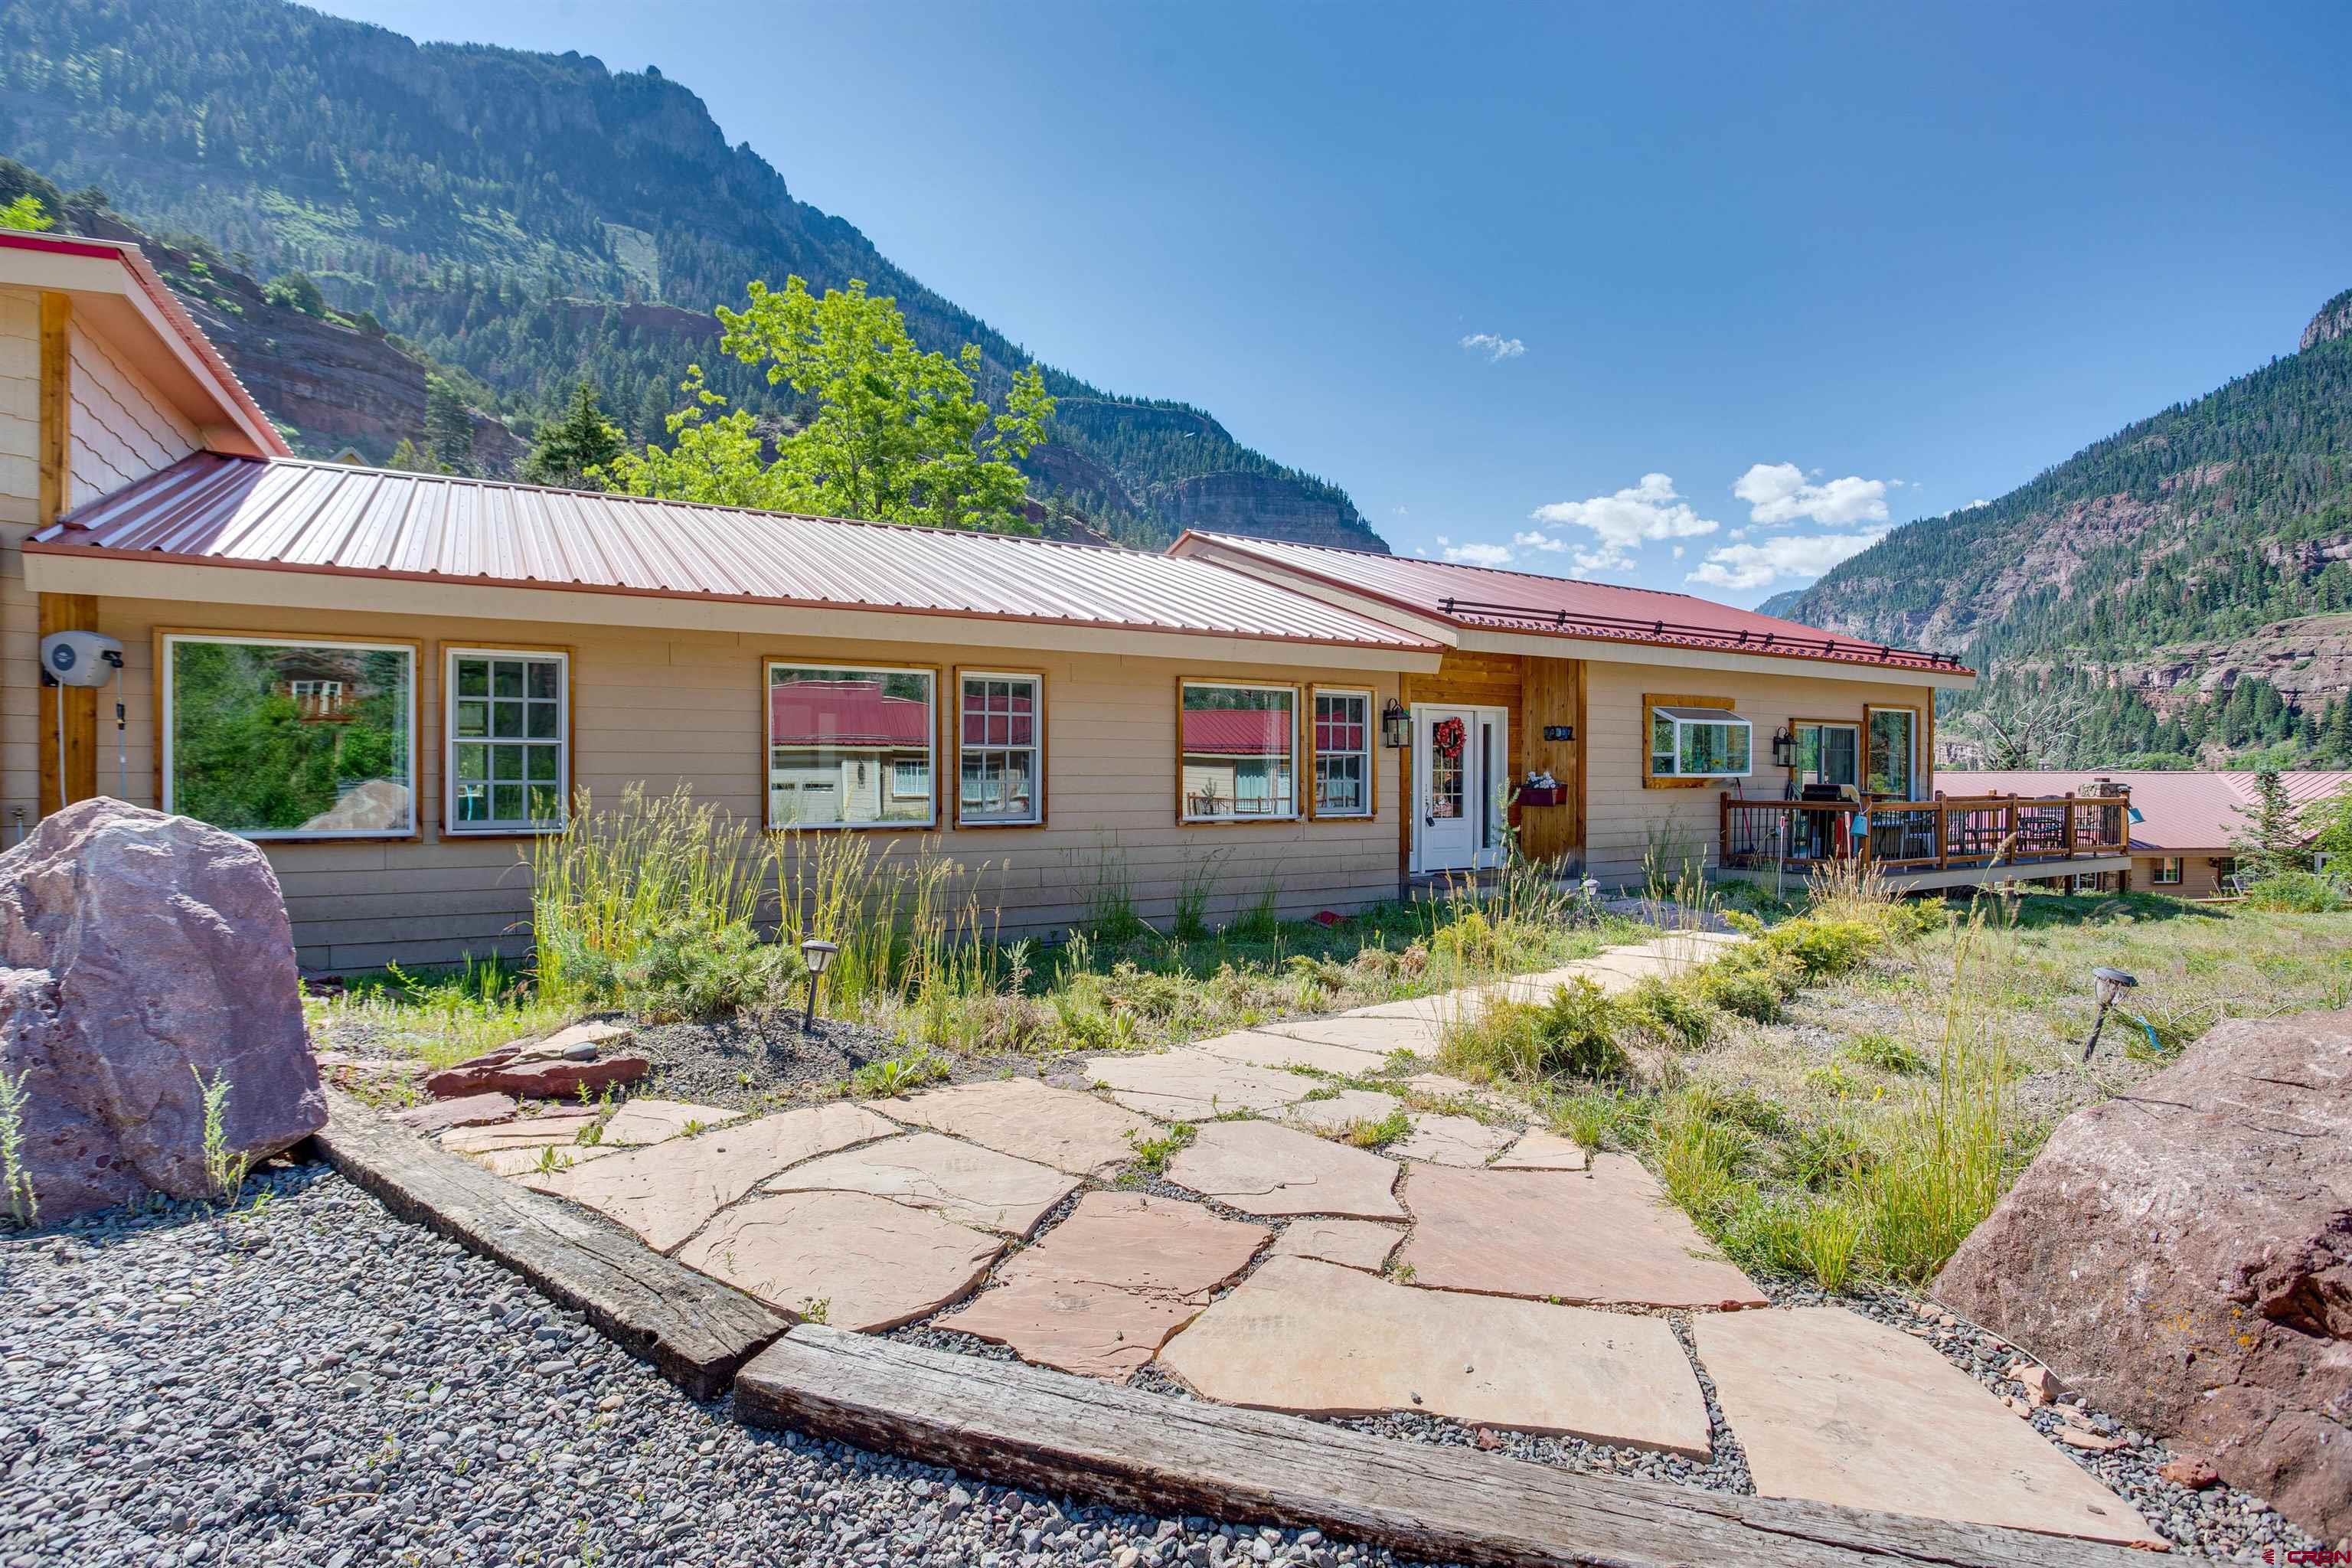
(1495, 600)
(289, 514)
(2180, 812)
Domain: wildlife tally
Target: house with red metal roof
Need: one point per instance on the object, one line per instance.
(2185, 826)
(395, 682)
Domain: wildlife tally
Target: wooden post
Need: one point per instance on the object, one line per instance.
(1723, 829)
(1943, 835)
(2009, 834)
(2066, 841)
(69, 772)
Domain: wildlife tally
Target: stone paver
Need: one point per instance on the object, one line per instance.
(1608, 1236)
(1063, 1128)
(1540, 1151)
(1193, 1086)
(1108, 1286)
(523, 1163)
(1259, 1167)
(651, 1120)
(1833, 1407)
(1353, 1243)
(472, 1110)
(1263, 1048)
(1377, 1035)
(963, 1182)
(666, 1192)
(1320, 1340)
(1434, 1011)
(855, 1261)
(1452, 1140)
(529, 1133)
(1342, 1110)
(1438, 1086)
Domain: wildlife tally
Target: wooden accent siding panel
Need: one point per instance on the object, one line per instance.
(70, 775)
(1623, 819)
(1553, 693)
(122, 429)
(666, 708)
(20, 487)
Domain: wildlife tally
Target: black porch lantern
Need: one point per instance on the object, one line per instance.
(1396, 726)
(1784, 750)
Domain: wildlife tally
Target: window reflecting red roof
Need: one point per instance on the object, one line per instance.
(1236, 732)
(845, 713)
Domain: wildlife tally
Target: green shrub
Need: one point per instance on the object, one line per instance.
(2295, 892)
(1885, 1053)
(895, 1075)
(1823, 946)
(690, 970)
(1752, 982)
(1674, 1010)
(1823, 1154)
(1576, 1032)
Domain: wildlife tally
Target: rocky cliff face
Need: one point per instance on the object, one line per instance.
(2334, 320)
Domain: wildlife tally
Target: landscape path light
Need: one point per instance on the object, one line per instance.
(818, 955)
(2109, 983)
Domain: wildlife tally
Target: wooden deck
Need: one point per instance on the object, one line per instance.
(1932, 843)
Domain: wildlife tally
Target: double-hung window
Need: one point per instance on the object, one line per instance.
(1000, 750)
(1343, 753)
(509, 759)
(275, 737)
(1698, 743)
(2166, 871)
(1239, 742)
(850, 746)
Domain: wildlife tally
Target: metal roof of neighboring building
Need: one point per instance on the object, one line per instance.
(302, 516)
(2180, 812)
(1498, 600)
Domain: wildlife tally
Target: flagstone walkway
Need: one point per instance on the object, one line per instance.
(1336, 1231)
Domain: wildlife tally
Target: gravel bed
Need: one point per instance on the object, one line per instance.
(740, 1062)
(320, 1384)
(2219, 1520)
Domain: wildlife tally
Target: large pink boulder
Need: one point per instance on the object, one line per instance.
(137, 951)
(2183, 1253)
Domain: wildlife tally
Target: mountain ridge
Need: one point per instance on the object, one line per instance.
(458, 191)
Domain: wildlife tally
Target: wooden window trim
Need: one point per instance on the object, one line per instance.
(1919, 746)
(955, 728)
(1654, 700)
(1298, 813)
(160, 702)
(443, 654)
(772, 661)
(1371, 808)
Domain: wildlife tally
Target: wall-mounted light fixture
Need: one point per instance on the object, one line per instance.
(1784, 750)
(1396, 726)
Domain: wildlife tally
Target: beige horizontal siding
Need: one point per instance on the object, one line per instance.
(1624, 820)
(688, 707)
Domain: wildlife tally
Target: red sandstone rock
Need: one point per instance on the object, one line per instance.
(502, 1072)
(138, 950)
(473, 1110)
(2183, 1257)
(2191, 1471)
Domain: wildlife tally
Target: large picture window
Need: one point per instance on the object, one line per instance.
(1343, 753)
(1000, 749)
(850, 747)
(1698, 743)
(1240, 752)
(290, 738)
(509, 762)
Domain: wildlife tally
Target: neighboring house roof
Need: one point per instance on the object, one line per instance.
(211, 368)
(1237, 731)
(1527, 602)
(2180, 812)
(310, 517)
(845, 713)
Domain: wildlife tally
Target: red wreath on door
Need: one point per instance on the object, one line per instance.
(1447, 738)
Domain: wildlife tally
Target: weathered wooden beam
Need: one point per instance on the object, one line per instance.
(1023, 1427)
(55, 458)
(70, 773)
(693, 1330)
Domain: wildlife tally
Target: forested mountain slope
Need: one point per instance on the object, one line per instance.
(532, 218)
(2187, 583)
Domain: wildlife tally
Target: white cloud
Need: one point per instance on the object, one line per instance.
(1650, 510)
(1780, 493)
(1798, 556)
(1477, 555)
(1532, 540)
(1976, 503)
(1495, 346)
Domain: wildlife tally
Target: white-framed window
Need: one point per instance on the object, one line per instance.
(1000, 748)
(1699, 743)
(507, 755)
(290, 738)
(1828, 754)
(1239, 742)
(2165, 871)
(851, 746)
(1343, 753)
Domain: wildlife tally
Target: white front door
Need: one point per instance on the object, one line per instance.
(1450, 790)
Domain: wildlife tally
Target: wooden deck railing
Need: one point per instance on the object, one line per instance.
(1925, 834)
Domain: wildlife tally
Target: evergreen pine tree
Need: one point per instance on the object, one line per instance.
(448, 427)
(582, 439)
(2271, 842)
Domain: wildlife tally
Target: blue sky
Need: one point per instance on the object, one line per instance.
(1691, 298)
